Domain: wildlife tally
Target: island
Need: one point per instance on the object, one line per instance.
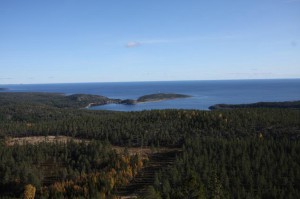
(128, 102)
(3, 89)
(287, 104)
(154, 98)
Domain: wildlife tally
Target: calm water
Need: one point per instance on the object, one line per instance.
(204, 93)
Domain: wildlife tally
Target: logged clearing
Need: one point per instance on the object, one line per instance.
(143, 152)
(40, 139)
(139, 184)
(157, 158)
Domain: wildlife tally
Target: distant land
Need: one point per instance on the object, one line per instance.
(60, 100)
(287, 104)
(57, 100)
(4, 89)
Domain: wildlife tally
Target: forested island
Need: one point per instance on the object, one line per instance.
(247, 152)
(154, 98)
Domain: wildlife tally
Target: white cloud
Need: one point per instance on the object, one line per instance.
(133, 44)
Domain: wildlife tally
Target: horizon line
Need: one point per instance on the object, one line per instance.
(154, 81)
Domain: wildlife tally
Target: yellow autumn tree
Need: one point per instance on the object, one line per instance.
(29, 192)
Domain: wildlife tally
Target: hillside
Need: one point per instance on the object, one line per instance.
(236, 153)
(57, 100)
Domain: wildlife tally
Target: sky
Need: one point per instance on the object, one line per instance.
(66, 41)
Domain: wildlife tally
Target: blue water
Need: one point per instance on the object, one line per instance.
(204, 93)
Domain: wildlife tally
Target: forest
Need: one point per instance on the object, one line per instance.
(245, 152)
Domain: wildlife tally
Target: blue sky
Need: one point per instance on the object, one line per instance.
(113, 41)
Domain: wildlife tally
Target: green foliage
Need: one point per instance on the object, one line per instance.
(240, 153)
(46, 163)
(158, 127)
(234, 168)
(150, 193)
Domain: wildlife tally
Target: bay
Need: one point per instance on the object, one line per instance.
(204, 93)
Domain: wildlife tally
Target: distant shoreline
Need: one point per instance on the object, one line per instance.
(285, 104)
(79, 100)
(117, 96)
(86, 101)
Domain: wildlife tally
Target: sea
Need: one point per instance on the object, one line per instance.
(203, 93)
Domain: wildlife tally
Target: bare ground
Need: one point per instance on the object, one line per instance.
(144, 152)
(40, 139)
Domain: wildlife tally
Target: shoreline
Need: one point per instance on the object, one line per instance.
(86, 101)
(143, 99)
(285, 104)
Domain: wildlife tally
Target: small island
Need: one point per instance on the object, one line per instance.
(154, 98)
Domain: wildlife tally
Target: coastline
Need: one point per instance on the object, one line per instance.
(204, 93)
(286, 104)
(143, 99)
